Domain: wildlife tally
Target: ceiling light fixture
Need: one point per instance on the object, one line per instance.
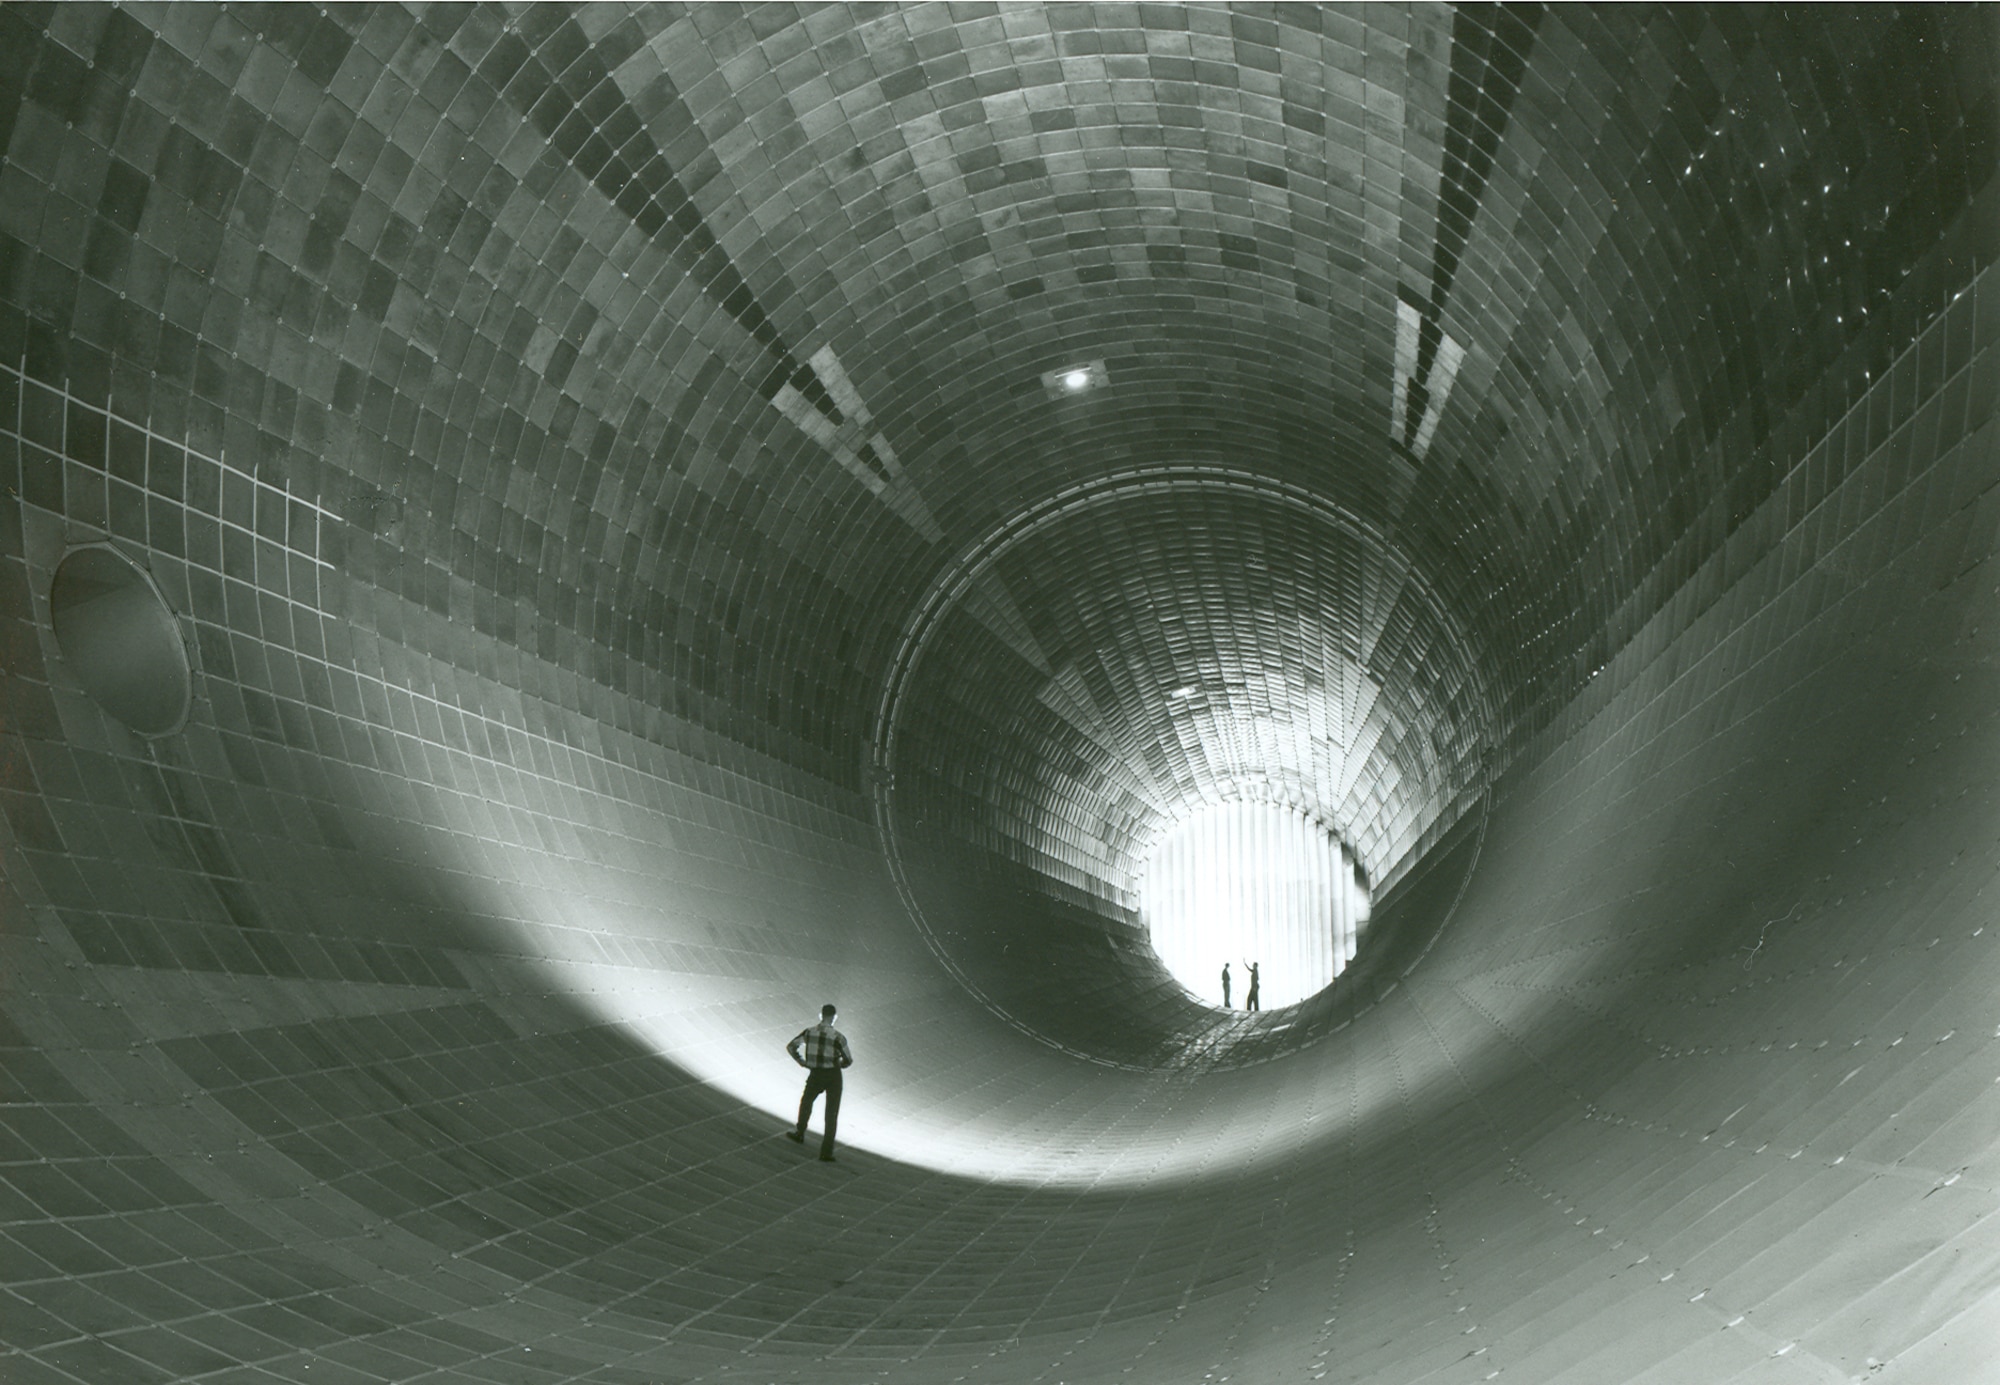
(1079, 377)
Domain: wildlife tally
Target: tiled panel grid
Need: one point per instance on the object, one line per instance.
(273, 673)
(353, 405)
(1723, 55)
(1312, 667)
(1080, 56)
(1785, 1046)
(1371, 1306)
(451, 767)
(395, 52)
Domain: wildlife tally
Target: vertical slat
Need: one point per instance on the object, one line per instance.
(1342, 875)
(1301, 981)
(1329, 874)
(1333, 892)
(1360, 902)
(1301, 905)
(1323, 956)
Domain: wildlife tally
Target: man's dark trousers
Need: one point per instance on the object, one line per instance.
(821, 1080)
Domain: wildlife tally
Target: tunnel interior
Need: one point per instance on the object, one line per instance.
(544, 542)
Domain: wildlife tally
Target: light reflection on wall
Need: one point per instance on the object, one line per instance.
(1252, 882)
(626, 919)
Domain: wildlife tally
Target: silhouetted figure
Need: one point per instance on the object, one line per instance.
(822, 1051)
(1225, 985)
(1250, 997)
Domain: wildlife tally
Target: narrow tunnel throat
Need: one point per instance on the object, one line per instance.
(1239, 883)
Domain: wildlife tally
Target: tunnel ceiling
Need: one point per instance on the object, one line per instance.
(689, 350)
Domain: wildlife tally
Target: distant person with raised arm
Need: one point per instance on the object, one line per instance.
(822, 1051)
(1250, 996)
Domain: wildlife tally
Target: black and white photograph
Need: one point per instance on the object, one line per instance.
(940, 692)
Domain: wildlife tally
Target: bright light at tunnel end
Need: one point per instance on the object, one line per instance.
(1238, 883)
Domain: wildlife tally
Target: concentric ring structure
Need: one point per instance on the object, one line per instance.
(1554, 449)
(1246, 642)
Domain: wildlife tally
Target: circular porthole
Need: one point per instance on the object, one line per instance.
(120, 639)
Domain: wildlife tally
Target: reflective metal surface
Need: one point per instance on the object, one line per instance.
(648, 575)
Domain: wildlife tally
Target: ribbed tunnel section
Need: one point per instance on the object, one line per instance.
(643, 571)
(1117, 659)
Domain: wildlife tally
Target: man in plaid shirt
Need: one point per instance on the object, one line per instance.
(822, 1051)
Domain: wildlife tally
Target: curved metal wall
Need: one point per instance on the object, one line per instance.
(549, 426)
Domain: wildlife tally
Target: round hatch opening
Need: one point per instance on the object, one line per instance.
(120, 639)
